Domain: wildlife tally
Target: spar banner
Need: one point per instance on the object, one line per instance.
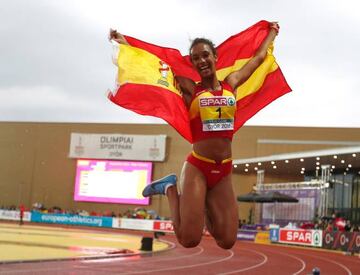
(165, 226)
(301, 237)
(118, 146)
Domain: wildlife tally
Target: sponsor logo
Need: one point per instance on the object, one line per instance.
(163, 226)
(217, 101)
(328, 238)
(298, 236)
(274, 235)
(317, 238)
(262, 237)
(79, 149)
(357, 241)
(154, 151)
(231, 101)
(246, 236)
(71, 219)
(305, 237)
(215, 172)
(343, 240)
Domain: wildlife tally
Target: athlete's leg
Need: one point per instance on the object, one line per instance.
(222, 213)
(187, 209)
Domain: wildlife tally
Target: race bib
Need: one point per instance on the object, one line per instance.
(217, 113)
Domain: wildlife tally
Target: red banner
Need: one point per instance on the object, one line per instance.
(301, 236)
(354, 245)
(165, 226)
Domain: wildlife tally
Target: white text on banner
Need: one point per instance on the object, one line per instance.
(118, 146)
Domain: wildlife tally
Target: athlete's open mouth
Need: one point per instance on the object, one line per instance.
(204, 68)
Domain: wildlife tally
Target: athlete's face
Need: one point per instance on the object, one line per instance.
(203, 60)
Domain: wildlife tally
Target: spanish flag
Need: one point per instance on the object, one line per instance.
(146, 78)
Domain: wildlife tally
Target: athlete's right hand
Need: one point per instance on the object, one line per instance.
(275, 26)
(118, 37)
(113, 34)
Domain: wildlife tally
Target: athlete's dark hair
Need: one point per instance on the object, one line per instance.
(205, 41)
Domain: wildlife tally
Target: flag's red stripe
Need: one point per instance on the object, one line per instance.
(242, 45)
(274, 86)
(155, 101)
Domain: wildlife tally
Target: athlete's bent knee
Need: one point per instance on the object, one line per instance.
(189, 236)
(189, 240)
(189, 243)
(226, 244)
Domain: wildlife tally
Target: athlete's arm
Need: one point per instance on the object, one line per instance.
(235, 79)
(186, 86)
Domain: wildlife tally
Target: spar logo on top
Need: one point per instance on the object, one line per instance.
(165, 226)
(301, 237)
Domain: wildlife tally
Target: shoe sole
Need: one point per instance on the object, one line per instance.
(151, 185)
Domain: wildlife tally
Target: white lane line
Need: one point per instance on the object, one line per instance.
(301, 269)
(31, 270)
(250, 267)
(115, 261)
(296, 258)
(201, 250)
(184, 266)
(328, 260)
(143, 260)
(291, 256)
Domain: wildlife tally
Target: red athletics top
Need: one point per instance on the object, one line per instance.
(212, 113)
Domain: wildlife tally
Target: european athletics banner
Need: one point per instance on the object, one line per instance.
(71, 219)
(146, 78)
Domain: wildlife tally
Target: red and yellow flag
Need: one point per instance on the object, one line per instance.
(147, 86)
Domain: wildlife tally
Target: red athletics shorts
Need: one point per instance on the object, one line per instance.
(212, 171)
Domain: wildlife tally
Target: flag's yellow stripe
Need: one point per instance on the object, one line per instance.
(138, 66)
(256, 80)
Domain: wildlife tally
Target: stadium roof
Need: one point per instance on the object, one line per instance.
(341, 160)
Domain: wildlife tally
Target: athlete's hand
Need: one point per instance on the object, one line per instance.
(274, 26)
(113, 34)
(116, 36)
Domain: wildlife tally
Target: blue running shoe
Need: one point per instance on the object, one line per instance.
(158, 187)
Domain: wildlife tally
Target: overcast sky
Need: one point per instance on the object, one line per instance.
(55, 59)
